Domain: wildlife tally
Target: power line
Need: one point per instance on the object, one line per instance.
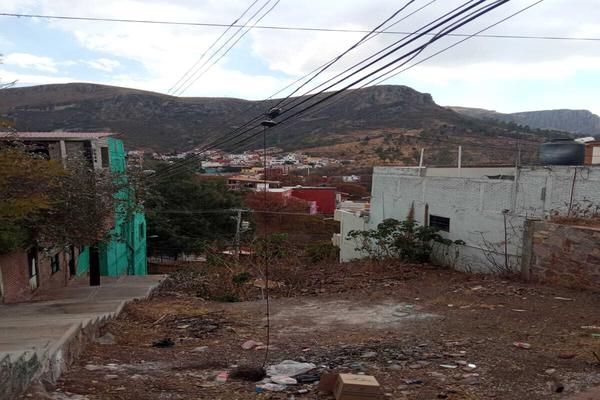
(455, 25)
(212, 45)
(284, 28)
(459, 12)
(419, 62)
(193, 79)
(233, 135)
(415, 52)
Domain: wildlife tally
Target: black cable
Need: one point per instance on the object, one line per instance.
(266, 247)
(414, 52)
(355, 45)
(393, 50)
(212, 45)
(458, 8)
(182, 89)
(284, 28)
(456, 25)
(215, 144)
(427, 58)
(374, 55)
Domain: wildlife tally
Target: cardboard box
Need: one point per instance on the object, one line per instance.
(356, 387)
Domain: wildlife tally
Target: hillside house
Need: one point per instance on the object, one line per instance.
(24, 272)
(485, 207)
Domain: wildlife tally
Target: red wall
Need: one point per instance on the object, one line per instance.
(15, 277)
(324, 197)
(14, 270)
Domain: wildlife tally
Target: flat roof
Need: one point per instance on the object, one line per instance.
(55, 135)
(249, 179)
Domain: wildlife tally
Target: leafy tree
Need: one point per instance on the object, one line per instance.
(180, 214)
(45, 204)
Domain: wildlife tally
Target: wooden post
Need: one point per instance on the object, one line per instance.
(459, 160)
(237, 234)
(94, 266)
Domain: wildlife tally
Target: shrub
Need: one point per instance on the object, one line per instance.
(321, 251)
(400, 239)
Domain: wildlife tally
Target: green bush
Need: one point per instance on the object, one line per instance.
(400, 239)
(321, 251)
(241, 278)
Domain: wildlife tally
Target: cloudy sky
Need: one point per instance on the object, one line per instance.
(507, 75)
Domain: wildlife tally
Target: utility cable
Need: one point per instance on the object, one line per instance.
(438, 19)
(211, 46)
(477, 14)
(283, 28)
(362, 41)
(194, 79)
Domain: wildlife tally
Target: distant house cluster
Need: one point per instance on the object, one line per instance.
(275, 158)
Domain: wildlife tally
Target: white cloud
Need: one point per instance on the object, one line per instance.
(103, 64)
(166, 52)
(31, 61)
(32, 79)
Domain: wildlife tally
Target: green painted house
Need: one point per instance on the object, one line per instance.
(125, 252)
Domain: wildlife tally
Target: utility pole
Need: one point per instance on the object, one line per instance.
(421, 158)
(238, 234)
(459, 160)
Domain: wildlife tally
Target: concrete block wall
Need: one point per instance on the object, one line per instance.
(473, 204)
(477, 205)
(562, 255)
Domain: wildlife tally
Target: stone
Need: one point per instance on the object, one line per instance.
(108, 338)
(369, 354)
(473, 380)
(200, 349)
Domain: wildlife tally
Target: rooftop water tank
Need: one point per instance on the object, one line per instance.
(562, 152)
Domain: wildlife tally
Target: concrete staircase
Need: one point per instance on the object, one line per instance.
(40, 339)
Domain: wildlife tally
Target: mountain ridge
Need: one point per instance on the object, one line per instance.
(576, 121)
(397, 115)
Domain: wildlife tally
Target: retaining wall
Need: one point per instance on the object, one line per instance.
(562, 254)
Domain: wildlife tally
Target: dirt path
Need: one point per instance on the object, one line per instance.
(399, 327)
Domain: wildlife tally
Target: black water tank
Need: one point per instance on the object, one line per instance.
(562, 152)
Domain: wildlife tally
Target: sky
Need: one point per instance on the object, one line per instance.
(506, 75)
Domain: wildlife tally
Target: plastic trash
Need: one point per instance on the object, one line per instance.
(284, 380)
(308, 378)
(522, 345)
(163, 343)
(222, 377)
(270, 387)
(290, 368)
(250, 344)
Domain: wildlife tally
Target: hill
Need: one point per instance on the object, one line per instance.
(581, 122)
(386, 122)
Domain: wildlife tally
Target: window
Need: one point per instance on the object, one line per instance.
(142, 230)
(55, 263)
(442, 223)
(104, 157)
(32, 261)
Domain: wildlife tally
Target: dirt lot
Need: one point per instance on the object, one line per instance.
(398, 323)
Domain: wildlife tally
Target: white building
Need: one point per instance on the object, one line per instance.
(475, 205)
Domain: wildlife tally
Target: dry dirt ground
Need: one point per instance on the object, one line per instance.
(398, 323)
